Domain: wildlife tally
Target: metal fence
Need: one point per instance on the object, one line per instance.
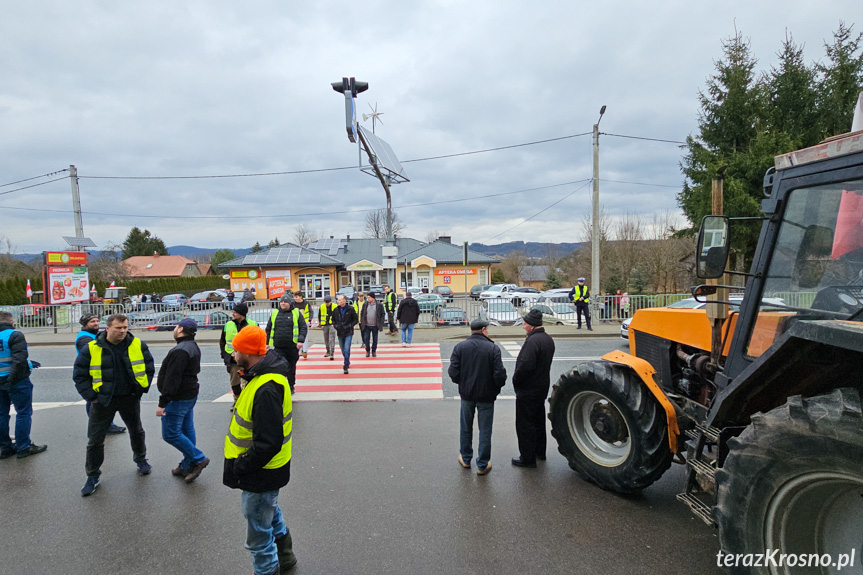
(214, 315)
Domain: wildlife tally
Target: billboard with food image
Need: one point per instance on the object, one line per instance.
(68, 283)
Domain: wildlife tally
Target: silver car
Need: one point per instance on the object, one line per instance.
(499, 312)
(557, 313)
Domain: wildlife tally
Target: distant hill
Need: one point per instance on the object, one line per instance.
(530, 249)
(191, 251)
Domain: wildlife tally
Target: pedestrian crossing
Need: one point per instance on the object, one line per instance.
(511, 347)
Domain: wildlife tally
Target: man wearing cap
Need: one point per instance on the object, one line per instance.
(306, 309)
(238, 322)
(258, 450)
(476, 366)
(286, 332)
(531, 381)
(178, 386)
(15, 389)
(580, 296)
(344, 320)
(113, 372)
(325, 318)
(89, 330)
(371, 322)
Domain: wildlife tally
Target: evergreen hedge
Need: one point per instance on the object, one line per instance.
(14, 291)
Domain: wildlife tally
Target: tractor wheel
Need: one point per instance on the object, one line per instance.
(609, 427)
(793, 482)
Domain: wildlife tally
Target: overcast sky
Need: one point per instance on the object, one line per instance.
(217, 88)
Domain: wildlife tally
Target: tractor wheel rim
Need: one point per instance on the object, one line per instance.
(587, 439)
(816, 513)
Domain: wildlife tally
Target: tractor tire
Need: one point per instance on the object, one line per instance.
(609, 427)
(793, 482)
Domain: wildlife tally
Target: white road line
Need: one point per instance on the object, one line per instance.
(366, 395)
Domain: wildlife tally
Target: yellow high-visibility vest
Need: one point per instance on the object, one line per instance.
(578, 291)
(136, 358)
(239, 438)
(390, 299)
(325, 314)
(295, 313)
(231, 332)
(307, 311)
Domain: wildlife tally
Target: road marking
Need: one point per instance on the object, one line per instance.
(511, 347)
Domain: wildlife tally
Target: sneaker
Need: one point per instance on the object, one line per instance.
(332, 358)
(484, 470)
(590, 329)
(404, 344)
(462, 463)
(346, 371)
(374, 354)
(6, 453)
(90, 486)
(197, 469)
(144, 468)
(305, 355)
(180, 472)
(116, 429)
(32, 450)
(367, 354)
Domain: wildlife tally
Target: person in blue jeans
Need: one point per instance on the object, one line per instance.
(15, 389)
(476, 366)
(408, 315)
(178, 386)
(344, 320)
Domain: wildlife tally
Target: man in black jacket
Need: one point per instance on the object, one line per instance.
(286, 332)
(258, 450)
(15, 389)
(477, 368)
(531, 381)
(89, 330)
(372, 320)
(112, 373)
(232, 328)
(408, 315)
(178, 385)
(344, 320)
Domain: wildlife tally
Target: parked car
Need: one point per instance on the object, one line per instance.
(212, 319)
(206, 299)
(450, 316)
(478, 289)
(414, 291)
(174, 301)
(443, 291)
(499, 312)
(158, 321)
(347, 291)
(497, 291)
(261, 316)
(556, 313)
(377, 291)
(523, 295)
(429, 301)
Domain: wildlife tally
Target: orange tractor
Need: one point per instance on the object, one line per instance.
(763, 406)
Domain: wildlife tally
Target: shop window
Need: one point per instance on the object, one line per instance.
(314, 286)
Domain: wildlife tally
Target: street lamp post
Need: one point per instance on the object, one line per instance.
(595, 232)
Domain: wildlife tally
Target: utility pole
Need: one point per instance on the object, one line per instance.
(595, 232)
(76, 202)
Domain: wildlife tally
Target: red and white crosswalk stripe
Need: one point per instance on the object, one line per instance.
(396, 373)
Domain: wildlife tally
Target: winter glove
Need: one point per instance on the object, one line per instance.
(35, 364)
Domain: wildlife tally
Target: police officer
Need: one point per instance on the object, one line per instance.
(15, 389)
(580, 295)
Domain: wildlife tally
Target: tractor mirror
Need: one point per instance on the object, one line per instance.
(703, 291)
(712, 251)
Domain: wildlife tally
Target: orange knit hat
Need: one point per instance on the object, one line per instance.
(251, 340)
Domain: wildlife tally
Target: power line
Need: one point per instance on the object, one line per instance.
(295, 215)
(639, 183)
(33, 185)
(329, 169)
(539, 212)
(34, 178)
(641, 138)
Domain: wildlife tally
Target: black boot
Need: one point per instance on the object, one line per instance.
(285, 547)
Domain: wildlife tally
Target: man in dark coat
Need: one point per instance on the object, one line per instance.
(89, 331)
(15, 389)
(112, 373)
(531, 381)
(477, 368)
(281, 336)
(344, 320)
(408, 315)
(237, 322)
(372, 319)
(178, 385)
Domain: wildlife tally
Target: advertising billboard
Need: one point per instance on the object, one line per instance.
(66, 284)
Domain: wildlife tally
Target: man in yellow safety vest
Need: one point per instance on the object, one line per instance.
(390, 306)
(325, 318)
(112, 373)
(306, 309)
(232, 328)
(286, 332)
(258, 450)
(580, 296)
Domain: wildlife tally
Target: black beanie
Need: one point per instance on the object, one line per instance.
(533, 317)
(242, 309)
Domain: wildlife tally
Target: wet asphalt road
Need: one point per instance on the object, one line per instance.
(375, 489)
